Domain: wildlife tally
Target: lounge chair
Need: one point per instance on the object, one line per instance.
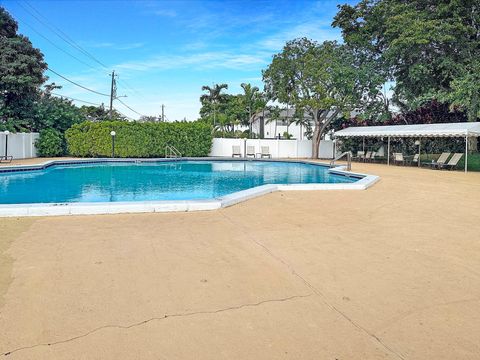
(6, 159)
(453, 162)
(442, 159)
(250, 151)
(360, 156)
(265, 152)
(236, 151)
(414, 160)
(368, 156)
(398, 158)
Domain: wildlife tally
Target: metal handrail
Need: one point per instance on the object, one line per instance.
(348, 154)
(172, 152)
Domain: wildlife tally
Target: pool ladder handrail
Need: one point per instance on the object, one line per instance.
(172, 152)
(348, 154)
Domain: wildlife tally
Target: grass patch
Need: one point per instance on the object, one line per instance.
(473, 161)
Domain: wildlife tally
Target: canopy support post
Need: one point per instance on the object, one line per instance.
(388, 151)
(419, 151)
(363, 138)
(466, 152)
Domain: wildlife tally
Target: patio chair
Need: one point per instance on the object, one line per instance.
(250, 151)
(236, 151)
(372, 158)
(6, 159)
(265, 152)
(367, 157)
(414, 160)
(360, 156)
(453, 162)
(398, 158)
(442, 159)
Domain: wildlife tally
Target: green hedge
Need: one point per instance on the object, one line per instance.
(135, 139)
(50, 143)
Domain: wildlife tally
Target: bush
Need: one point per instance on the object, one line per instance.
(50, 143)
(135, 139)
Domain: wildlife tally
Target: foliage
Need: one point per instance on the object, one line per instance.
(50, 143)
(148, 118)
(99, 113)
(324, 80)
(137, 139)
(21, 74)
(429, 48)
(212, 100)
(54, 112)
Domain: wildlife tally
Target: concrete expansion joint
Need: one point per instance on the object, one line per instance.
(166, 316)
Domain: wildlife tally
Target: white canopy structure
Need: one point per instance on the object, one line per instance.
(424, 130)
(465, 130)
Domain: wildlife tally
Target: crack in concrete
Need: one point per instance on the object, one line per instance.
(166, 316)
(313, 288)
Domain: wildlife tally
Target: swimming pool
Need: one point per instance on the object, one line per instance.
(112, 186)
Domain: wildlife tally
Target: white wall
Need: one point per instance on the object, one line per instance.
(277, 148)
(20, 145)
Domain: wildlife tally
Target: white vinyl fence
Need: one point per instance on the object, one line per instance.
(277, 148)
(20, 145)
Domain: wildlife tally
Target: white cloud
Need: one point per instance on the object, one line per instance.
(197, 61)
(115, 46)
(314, 30)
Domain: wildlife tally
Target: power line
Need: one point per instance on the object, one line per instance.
(128, 117)
(71, 98)
(77, 84)
(55, 45)
(128, 107)
(131, 89)
(59, 32)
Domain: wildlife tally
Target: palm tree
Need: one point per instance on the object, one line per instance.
(214, 96)
(252, 96)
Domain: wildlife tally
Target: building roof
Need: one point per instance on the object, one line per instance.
(422, 130)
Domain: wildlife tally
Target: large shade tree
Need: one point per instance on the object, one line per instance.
(21, 75)
(430, 48)
(325, 80)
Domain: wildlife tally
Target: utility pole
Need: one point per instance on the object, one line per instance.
(113, 93)
(163, 113)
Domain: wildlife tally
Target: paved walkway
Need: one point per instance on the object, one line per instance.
(388, 273)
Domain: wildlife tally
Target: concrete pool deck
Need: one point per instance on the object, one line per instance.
(392, 272)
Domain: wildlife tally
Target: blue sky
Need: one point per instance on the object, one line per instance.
(164, 51)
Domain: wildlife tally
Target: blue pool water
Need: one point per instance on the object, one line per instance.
(147, 181)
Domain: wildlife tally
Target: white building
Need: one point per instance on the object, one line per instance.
(265, 128)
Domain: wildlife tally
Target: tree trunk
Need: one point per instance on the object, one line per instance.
(316, 140)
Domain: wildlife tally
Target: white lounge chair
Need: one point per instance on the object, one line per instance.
(236, 151)
(265, 152)
(453, 162)
(398, 158)
(442, 159)
(415, 159)
(7, 159)
(360, 156)
(368, 156)
(251, 151)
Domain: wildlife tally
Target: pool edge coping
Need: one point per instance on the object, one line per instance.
(98, 208)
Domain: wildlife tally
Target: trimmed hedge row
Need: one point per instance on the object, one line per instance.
(135, 139)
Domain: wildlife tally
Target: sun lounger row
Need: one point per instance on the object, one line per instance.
(369, 156)
(264, 152)
(400, 159)
(441, 162)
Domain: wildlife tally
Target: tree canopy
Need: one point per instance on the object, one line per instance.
(325, 80)
(21, 74)
(429, 48)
